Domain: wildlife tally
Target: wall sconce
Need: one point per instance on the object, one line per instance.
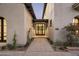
(77, 31)
(56, 28)
(75, 21)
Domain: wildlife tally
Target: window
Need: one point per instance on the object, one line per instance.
(76, 25)
(75, 21)
(3, 30)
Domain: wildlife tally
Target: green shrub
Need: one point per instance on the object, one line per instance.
(72, 38)
(3, 47)
(60, 45)
(10, 46)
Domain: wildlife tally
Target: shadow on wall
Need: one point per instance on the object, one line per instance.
(29, 40)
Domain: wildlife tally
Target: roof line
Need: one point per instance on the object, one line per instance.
(30, 9)
(45, 4)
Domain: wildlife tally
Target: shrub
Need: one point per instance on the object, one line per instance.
(60, 45)
(10, 46)
(72, 37)
(3, 47)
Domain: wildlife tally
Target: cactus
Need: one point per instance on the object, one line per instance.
(14, 41)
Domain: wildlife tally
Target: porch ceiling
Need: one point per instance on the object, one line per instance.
(30, 9)
(77, 17)
(75, 6)
(40, 20)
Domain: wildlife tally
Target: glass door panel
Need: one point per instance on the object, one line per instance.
(40, 29)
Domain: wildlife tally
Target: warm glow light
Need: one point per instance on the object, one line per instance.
(40, 28)
(76, 31)
(73, 21)
(5, 29)
(76, 21)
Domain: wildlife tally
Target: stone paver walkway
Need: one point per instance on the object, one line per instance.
(39, 47)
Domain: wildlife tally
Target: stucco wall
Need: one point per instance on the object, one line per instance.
(28, 22)
(49, 14)
(16, 21)
(63, 15)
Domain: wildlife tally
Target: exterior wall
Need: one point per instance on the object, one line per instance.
(49, 14)
(16, 22)
(28, 23)
(61, 14)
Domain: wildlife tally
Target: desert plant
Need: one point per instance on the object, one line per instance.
(14, 41)
(71, 36)
(10, 46)
(65, 44)
(70, 27)
(3, 47)
(13, 45)
(60, 45)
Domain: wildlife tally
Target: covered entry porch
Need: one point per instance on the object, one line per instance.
(40, 28)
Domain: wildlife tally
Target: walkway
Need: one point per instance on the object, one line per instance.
(39, 47)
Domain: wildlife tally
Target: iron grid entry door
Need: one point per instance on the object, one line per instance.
(40, 29)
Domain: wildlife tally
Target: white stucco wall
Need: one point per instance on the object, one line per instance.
(18, 19)
(63, 15)
(28, 22)
(49, 14)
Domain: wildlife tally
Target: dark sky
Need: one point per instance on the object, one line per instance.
(38, 9)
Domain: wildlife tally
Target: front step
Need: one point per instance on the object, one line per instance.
(40, 37)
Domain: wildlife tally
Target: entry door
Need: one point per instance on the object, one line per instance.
(40, 29)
